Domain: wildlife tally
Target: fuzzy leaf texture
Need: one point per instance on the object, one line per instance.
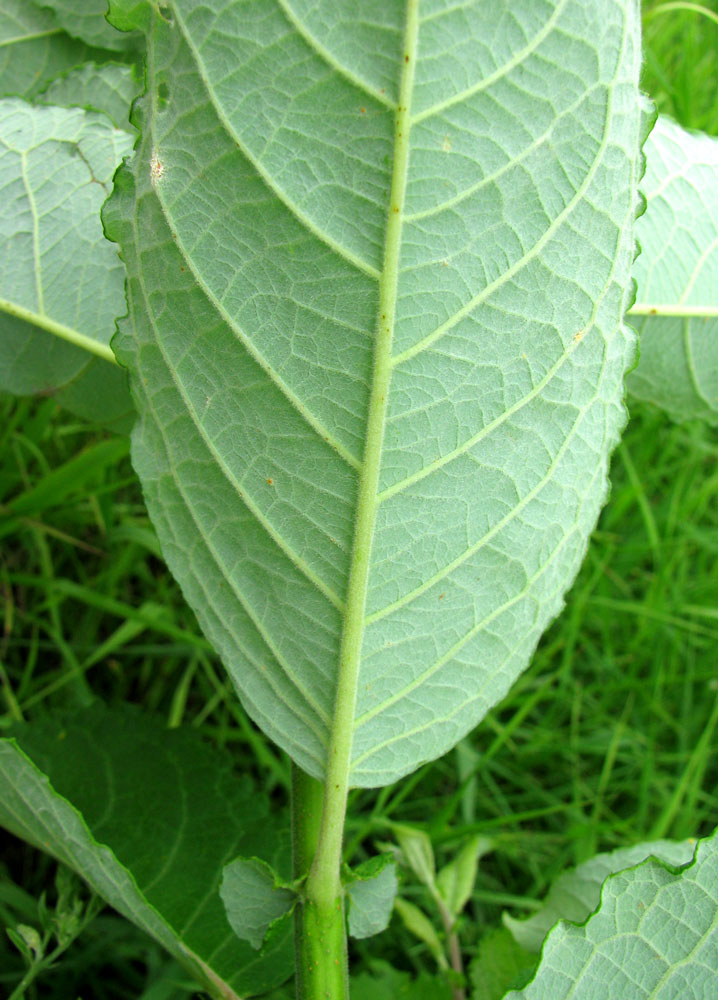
(676, 310)
(147, 817)
(377, 269)
(576, 894)
(61, 285)
(654, 937)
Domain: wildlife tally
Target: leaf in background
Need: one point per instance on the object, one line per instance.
(417, 922)
(575, 894)
(110, 87)
(61, 283)
(254, 898)
(148, 817)
(85, 19)
(500, 964)
(378, 354)
(654, 937)
(386, 983)
(33, 49)
(371, 891)
(677, 275)
(456, 880)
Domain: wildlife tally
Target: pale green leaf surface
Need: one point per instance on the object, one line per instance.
(85, 19)
(447, 376)
(61, 283)
(33, 49)
(252, 899)
(148, 817)
(110, 87)
(576, 894)
(371, 895)
(677, 275)
(654, 937)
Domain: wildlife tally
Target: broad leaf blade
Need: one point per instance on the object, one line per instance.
(85, 19)
(33, 49)
(654, 937)
(576, 894)
(61, 284)
(148, 817)
(676, 310)
(110, 88)
(396, 452)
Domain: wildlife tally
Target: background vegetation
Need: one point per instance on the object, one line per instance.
(609, 738)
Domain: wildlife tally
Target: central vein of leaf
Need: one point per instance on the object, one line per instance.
(323, 883)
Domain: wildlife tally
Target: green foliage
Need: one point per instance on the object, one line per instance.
(576, 894)
(256, 271)
(655, 936)
(254, 900)
(293, 508)
(499, 965)
(677, 275)
(148, 818)
(371, 891)
(62, 286)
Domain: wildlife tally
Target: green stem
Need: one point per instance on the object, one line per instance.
(321, 933)
(320, 942)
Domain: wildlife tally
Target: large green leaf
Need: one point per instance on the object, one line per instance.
(377, 267)
(110, 87)
(576, 894)
(61, 284)
(676, 310)
(148, 817)
(654, 937)
(33, 49)
(85, 19)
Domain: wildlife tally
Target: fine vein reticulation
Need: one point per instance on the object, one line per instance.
(378, 265)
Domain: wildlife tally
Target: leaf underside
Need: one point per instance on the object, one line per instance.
(576, 894)
(57, 270)
(284, 257)
(654, 937)
(148, 817)
(678, 267)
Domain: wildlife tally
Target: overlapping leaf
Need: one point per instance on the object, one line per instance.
(654, 937)
(33, 49)
(148, 817)
(676, 311)
(576, 894)
(377, 268)
(61, 284)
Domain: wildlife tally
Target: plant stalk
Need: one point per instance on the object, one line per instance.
(320, 940)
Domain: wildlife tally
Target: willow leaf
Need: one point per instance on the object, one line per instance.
(33, 49)
(654, 937)
(148, 818)
(61, 285)
(676, 310)
(377, 271)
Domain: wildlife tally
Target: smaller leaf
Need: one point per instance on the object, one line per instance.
(455, 881)
(654, 937)
(420, 926)
(85, 19)
(418, 853)
(371, 894)
(254, 898)
(575, 894)
(500, 964)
